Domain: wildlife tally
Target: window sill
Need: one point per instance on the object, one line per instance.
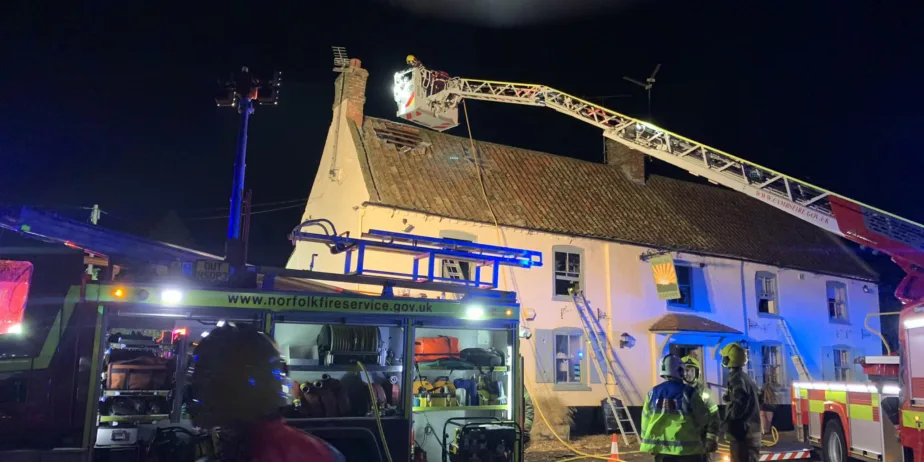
(843, 322)
(674, 306)
(570, 387)
(562, 298)
(769, 315)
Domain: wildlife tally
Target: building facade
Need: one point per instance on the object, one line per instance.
(743, 267)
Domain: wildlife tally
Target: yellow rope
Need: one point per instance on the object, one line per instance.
(375, 410)
(503, 241)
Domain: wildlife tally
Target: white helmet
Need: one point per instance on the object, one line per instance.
(672, 367)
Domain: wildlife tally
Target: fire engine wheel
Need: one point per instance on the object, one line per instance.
(834, 448)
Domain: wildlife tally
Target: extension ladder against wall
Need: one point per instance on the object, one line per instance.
(796, 357)
(608, 367)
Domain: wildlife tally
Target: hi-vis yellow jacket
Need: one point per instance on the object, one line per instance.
(673, 420)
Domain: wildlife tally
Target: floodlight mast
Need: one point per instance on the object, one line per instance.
(242, 92)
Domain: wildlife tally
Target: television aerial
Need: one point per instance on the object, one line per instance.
(647, 85)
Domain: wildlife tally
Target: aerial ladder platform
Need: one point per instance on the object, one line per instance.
(431, 98)
(608, 367)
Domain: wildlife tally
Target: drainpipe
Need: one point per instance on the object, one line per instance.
(744, 302)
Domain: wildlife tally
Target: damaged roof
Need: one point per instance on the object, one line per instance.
(545, 192)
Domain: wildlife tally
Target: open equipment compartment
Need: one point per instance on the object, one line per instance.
(324, 352)
(465, 369)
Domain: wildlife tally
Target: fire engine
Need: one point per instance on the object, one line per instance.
(106, 378)
(877, 420)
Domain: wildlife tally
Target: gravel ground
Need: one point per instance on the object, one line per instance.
(542, 450)
(553, 451)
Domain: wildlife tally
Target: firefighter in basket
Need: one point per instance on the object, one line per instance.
(674, 418)
(240, 385)
(693, 376)
(742, 412)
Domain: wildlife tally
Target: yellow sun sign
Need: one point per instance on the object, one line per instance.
(665, 276)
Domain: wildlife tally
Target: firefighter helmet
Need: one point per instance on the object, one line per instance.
(671, 367)
(691, 369)
(734, 355)
(238, 376)
(411, 59)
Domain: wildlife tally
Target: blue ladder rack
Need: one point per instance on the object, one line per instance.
(425, 250)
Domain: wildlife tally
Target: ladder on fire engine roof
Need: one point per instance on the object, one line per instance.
(425, 252)
(794, 354)
(835, 213)
(608, 367)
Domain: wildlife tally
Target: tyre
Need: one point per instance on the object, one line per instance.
(833, 443)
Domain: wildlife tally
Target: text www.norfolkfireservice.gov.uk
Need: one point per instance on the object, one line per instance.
(330, 303)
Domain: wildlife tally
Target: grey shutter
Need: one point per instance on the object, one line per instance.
(545, 353)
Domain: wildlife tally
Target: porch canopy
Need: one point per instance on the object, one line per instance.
(689, 329)
(676, 323)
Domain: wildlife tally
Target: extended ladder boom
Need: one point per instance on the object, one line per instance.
(431, 99)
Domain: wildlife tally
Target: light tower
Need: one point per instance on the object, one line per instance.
(243, 91)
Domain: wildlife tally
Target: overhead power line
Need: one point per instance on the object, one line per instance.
(277, 209)
(301, 200)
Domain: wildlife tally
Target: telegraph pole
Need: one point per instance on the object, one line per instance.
(242, 92)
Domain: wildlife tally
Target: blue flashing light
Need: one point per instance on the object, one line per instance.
(251, 381)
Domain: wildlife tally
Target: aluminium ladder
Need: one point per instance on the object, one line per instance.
(794, 354)
(608, 367)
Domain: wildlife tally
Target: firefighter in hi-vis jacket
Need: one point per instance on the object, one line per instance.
(674, 418)
(693, 376)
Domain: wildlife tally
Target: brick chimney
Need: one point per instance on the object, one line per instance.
(352, 83)
(630, 162)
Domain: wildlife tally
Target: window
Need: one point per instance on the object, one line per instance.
(842, 364)
(569, 357)
(685, 284)
(766, 293)
(837, 300)
(568, 270)
(772, 361)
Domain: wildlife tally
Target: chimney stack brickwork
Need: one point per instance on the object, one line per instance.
(630, 162)
(354, 90)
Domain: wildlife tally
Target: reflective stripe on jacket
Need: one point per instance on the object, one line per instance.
(673, 420)
(713, 421)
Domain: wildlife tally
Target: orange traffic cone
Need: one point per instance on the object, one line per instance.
(614, 449)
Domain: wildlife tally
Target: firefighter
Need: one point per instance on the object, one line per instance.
(674, 417)
(413, 61)
(742, 413)
(240, 384)
(692, 375)
(529, 414)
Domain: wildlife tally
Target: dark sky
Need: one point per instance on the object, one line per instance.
(111, 102)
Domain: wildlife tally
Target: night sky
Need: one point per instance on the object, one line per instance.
(112, 102)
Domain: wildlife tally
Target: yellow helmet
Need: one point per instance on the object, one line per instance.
(734, 355)
(691, 369)
(411, 59)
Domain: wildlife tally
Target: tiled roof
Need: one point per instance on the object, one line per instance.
(545, 192)
(674, 322)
